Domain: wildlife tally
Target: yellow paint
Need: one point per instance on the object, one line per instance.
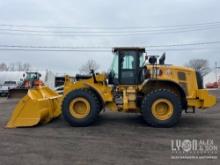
(203, 99)
(101, 88)
(198, 98)
(111, 106)
(195, 98)
(162, 109)
(40, 105)
(170, 72)
(79, 108)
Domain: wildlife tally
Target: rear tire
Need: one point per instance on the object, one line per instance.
(75, 102)
(161, 108)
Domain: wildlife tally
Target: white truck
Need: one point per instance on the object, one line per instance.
(4, 88)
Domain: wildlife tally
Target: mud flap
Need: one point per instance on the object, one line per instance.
(40, 105)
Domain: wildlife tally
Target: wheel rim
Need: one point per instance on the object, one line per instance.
(79, 108)
(162, 109)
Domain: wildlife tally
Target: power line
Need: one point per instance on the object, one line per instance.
(105, 35)
(107, 47)
(125, 31)
(186, 44)
(92, 27)
(106, 32)
(177, 49)
(53, 50)
(92, 50)
(25, 29)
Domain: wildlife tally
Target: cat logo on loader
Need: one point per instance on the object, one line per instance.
(158, 91)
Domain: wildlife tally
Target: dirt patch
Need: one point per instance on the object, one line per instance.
(116, 138)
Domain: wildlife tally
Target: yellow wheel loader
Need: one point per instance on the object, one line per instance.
(136, 83)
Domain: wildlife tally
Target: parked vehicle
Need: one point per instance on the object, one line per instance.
(4, 89)
(214, 84)
(30, 79)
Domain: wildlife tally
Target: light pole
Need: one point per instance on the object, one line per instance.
(216, 72)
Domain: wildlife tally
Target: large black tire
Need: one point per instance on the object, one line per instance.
(148, 101)
(94, 107)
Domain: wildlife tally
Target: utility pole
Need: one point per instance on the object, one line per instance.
(216, 71)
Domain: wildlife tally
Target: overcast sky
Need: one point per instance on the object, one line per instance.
(104, 14)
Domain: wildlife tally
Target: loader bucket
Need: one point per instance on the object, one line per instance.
(17, 93)
(40, 105)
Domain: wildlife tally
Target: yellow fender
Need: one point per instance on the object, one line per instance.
(103, 91)
(40, 105)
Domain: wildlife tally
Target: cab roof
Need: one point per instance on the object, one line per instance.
(128, 49)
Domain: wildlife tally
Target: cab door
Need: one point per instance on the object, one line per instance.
(128, 67)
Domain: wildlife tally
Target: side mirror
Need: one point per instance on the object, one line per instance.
(162, 59)
(152, 60)
(145, 56)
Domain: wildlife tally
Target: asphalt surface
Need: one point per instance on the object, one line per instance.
(116, 138)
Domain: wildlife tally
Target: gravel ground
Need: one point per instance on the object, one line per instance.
(116, 138)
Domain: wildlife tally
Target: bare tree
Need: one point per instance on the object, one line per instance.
(200, 65)
(88, 66)
(3, 67)
(11, 67)
(15, 67)
(26, 67)
(19, 66)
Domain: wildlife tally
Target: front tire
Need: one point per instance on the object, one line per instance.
(161, 108)
(80, 107)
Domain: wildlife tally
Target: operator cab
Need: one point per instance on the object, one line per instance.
(32, 75)
(127, 66)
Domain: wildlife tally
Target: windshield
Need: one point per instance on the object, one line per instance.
(141, 58)
(31, 76)
(114, 66)
(128, 61)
